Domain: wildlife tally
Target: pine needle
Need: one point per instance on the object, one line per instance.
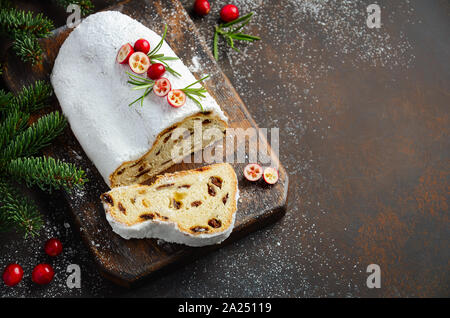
(5, 99)
(24, 28)
(33, 97)
(47, 173)
(16, 22)
(35, 137)
(17, 211)
(27, 48)
(18, 140)
(15, 122)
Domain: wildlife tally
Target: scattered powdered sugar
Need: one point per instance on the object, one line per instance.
(195, 64)
(324, 36)
(297, 256)
(342, 23)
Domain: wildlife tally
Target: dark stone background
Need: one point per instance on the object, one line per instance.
(364, 128)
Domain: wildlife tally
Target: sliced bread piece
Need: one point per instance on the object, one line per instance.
(193, 207)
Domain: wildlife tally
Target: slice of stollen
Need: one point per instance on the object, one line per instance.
(193, 207)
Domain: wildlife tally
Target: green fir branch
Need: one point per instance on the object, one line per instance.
(33, 97)
(14, 123)
(24, 28)
(47, 173)
(35, 137)
(5, 99)
(18, 141)
(14, 22)
(27, 48)
(18, 212)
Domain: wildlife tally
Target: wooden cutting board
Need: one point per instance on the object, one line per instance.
(127, 262)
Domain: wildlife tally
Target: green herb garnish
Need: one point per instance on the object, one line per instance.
(232, 34)
(140, 83)
(199, 92)
(155, 58)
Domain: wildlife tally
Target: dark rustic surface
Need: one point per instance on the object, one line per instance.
(129, 262)
(363, 117)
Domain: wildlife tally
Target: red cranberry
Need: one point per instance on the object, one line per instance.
(42, 274)
(156, 70)
(53, 247)
(142, 45)
(202, 7)
(229, 13)
(13, 274)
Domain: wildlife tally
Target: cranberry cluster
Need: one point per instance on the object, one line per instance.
(137, 59)
(42, 273)
(228, 12)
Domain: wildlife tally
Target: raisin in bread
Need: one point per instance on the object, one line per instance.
(127, 144)
(193, 207)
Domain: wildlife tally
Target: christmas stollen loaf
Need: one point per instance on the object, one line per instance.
(127, 144)
(194, 207)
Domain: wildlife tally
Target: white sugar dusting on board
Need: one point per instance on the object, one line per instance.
(195, 64)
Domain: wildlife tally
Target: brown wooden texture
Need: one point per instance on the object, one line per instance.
(129, 261)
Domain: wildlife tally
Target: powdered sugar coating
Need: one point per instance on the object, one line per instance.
(94, 95)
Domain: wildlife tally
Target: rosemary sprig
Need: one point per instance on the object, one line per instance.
(232, 34)
(155, 58)
(140, 83)
(199, 92)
